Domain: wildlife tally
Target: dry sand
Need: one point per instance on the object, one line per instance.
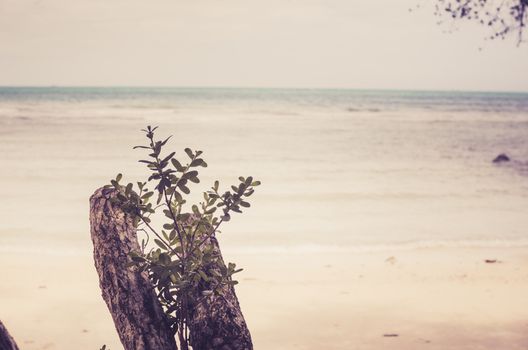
(442, 298)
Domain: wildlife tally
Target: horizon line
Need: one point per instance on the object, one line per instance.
(211, 87)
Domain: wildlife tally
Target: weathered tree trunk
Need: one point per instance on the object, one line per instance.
(216, 321)
(129, 295)
(6, 340)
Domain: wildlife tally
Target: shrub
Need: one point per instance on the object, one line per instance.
(180, 263)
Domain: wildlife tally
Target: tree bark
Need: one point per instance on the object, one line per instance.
(216, 321)
(129, 295)
(6, 340)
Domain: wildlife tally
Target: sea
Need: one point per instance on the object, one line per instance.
(341, 170)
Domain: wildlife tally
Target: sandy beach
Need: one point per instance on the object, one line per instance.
(377, 149)
(445, 298)
(370, 221)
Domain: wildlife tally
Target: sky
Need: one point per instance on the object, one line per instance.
(251, 43)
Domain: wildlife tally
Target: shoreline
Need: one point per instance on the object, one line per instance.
(23, 241)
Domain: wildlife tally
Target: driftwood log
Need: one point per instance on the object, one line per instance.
(6, 340)
(216, 322)
(129, 295)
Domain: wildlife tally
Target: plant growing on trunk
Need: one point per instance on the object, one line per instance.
(183, 266)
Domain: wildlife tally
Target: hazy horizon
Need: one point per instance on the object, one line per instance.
(212, 87)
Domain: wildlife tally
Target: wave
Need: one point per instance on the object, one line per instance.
(371, 110)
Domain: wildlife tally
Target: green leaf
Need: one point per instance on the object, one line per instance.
(184, 189)
(169, 191)
(160, 244)
(178, 196)
(241, 188)
(210, 211)
(199, 162)
(119, 177)
(166, 159)
(189, 153)
(249, 180)
(177, 165)
(165, 141)
(147, 195)
(203, 275)
(190, 174)
(165, 259)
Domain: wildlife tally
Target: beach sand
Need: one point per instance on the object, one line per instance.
(368, 222)
(442, 298)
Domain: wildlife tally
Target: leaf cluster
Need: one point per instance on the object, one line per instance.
(503, 17)
(185, 264)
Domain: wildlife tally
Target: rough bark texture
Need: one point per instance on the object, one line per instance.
(129, 295)
(216, 322)
(6, 340)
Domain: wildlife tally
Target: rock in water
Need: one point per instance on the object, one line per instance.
(501, 158)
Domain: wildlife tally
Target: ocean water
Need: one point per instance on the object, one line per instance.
(342, 170)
